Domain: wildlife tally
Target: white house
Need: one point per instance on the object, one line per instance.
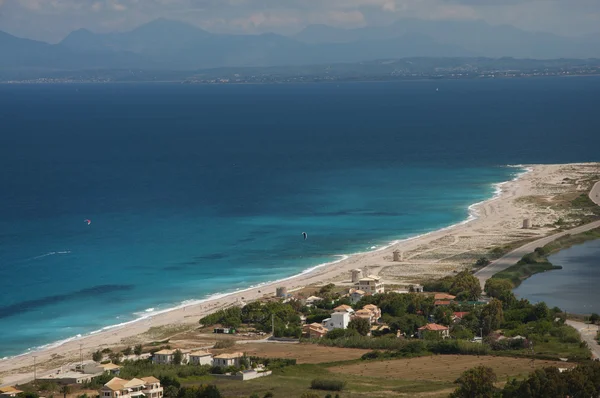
(147, 387)
(166, 357)
(338, 320)
(312, 300)
(226, 360)
(371, 285)
(201, 358)
(99, 368)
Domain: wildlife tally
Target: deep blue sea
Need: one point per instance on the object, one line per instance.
(198, 190)
(573, 288)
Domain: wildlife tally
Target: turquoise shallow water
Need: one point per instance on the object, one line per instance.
(197, 190)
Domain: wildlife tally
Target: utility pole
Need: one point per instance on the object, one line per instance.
(273, 324)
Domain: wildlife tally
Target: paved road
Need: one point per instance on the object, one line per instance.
(514, 256)
(588, 334)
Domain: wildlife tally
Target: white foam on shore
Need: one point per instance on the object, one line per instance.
(151, 312)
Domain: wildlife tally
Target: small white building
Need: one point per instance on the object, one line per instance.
(312, 300)
(165, 357)
(338, 320)
(99, 368)
(201, 358)
(226, 360)
(371, 285)
(356, 295)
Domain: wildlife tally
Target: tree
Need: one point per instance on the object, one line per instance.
(494, 287)
(361, 325)
(477, 382)
(493, 315)
(137, 350)
(97, 356)
(171, 392)
(127, 351)
(594, 318)
(466, 283)
(482, 262)
(65, 390)
(177, 357)
(268, 394)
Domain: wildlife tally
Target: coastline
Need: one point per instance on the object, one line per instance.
(487, 214)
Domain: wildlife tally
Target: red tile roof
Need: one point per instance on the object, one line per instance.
(444, 296)
(441, 302)
(460, 315)
(433, 327)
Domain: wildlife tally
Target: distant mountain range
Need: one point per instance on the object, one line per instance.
(172, 45)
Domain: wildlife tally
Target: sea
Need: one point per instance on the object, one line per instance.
(574, 288)
(193, 191)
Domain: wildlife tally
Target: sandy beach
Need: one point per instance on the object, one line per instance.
(536, 195)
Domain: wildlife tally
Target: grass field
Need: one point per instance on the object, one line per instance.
(444, 368)
(431, 376)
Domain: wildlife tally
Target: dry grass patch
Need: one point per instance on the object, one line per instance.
(303, 353)
(444, 368)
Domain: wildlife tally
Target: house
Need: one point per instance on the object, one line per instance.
(369, 312)
(443, 296)
(356, 295)
(69, 378)
(166, 357)
(9, 391)
(443, 331)
(458, 316)
(250, 374)
(438, 303)
(100, 368)
(227, 360)
(200, 358)
(371, 285)
(344, 308)
(312, 300)
(314, 331)
(375, 310)
(338, 320)
(416, 288)
(147, 387)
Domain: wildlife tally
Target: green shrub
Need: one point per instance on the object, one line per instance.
(327, 385)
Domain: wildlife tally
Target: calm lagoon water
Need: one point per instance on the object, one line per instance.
(575, 288)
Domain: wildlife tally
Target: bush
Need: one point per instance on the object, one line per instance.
(127, 351)
(327, 385)
(224, 344)
(97, 356)
(138, 349)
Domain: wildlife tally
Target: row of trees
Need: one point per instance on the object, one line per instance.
(582, 381)
(463, 285)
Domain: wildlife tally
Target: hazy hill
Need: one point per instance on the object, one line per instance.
(477, 36)
(173, 45)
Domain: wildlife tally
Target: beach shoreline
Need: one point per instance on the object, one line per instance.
(498, 218)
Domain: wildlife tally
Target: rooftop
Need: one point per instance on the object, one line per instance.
(433, 327)
(442, 302)
(343, 307)
(9, 390)
(232, 355)
(443, 296)
(200, 354)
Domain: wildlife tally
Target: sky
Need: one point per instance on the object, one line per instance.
(52, 20)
